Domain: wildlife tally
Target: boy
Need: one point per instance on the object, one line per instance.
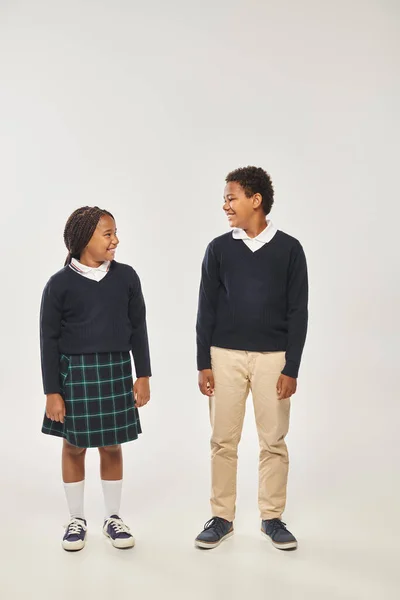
(251, 329)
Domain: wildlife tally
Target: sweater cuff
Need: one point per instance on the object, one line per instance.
(291, 369)
(142, 370)
(141, 360)
(140, 374)
(203, 363)
(51, 390)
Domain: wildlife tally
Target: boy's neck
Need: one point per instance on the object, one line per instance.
(254, 229)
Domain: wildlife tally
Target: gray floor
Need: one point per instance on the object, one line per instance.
(338, 558)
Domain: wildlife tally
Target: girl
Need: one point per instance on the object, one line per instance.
(92, 314)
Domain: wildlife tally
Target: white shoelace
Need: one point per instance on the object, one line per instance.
(75, 526)
(118, 525)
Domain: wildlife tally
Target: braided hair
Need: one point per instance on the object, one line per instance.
(80, 228)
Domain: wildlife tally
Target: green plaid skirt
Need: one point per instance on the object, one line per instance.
(98, 395)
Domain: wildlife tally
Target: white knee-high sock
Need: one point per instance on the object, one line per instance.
(74, 493)
(112, 491)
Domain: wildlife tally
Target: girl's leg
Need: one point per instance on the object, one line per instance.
(111, 463)
(111, 468)
(73, 463)
(111, 478)
(73, 471)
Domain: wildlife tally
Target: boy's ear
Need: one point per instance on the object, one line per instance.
(257, 200)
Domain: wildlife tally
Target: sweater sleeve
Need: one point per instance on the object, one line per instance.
(207, 307)
(50, 331)
(139, 338)
(297, 299)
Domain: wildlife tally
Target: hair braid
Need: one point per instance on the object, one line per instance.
(80, 228)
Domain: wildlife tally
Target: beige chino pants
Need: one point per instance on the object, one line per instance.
(236, 373)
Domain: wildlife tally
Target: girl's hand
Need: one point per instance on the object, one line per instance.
(141, 391)
(286, 387)
(206, 382)
(55, 407)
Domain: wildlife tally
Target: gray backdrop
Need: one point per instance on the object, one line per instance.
(143, 108)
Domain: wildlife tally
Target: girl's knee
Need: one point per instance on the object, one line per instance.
(73, 450)
(110, 449)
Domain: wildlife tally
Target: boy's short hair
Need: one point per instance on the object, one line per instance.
(254, 180)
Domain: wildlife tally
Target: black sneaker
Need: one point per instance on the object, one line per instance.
(215, 531)
(281, 538)
(75, 535)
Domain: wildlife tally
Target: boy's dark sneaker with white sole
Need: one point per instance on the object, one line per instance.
(276, 531)
(215, 531)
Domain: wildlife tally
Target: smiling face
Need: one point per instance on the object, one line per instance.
(240, 209)
(102, 244)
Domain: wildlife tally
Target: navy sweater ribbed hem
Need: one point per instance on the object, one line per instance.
(254, 301)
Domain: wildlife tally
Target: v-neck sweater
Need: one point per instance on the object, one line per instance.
(82, 316)
(253, 301)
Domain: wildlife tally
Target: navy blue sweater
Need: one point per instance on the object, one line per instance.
(82, 316)
(254, 301)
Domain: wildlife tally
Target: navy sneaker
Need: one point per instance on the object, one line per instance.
(281, 538)
(215, 531)
(118, 533)
(75, 535)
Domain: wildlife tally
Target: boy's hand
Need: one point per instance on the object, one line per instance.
(286, 387)
(55, 407)
(141, 391)
(206, 382)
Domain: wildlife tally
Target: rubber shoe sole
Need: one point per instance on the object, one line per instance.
(122, 543)
(209, 545)
(286, 546)
(73, 546)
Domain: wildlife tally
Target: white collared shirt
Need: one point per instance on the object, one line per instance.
(95, 273)
(258, 242)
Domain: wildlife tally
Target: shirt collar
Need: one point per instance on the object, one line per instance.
(264, 237)
(85, 269)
